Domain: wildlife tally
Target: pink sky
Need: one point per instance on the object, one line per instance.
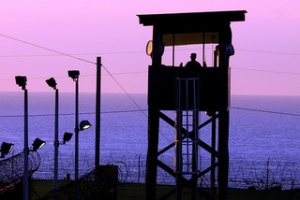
(266, 61)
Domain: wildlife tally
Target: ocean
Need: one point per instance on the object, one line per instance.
(263, 143)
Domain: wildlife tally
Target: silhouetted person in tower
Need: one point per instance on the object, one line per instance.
(193, 64)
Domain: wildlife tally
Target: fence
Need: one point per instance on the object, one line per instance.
(242, 174)
(259, 175)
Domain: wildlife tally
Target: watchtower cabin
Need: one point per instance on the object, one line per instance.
(190, 93)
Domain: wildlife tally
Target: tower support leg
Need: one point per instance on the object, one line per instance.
(223, 155)
(151, 166)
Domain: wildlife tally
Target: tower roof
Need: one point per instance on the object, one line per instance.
(191, 28)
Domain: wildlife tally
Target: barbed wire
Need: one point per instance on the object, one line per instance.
(12, 168)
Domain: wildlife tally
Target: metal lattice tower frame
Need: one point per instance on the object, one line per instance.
(214, 92)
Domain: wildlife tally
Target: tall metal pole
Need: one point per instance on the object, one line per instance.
(76, 138)
(223, 154)
(153, 125)
(26, 186)
(223, 167)
(98, 110)
(151, 165)
(213, 158)
(56, 144)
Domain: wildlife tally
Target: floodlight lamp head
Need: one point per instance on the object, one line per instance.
(74, 74)
(67, 137)
(6, 148)
(38, 143)
(21, 81)
(51, 82)
(84, 124)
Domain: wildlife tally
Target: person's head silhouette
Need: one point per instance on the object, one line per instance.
(193, 56)
(193, 64)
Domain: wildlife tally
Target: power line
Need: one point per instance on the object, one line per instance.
(45, 48)
(268, 71)
(143, 72)
(92, 75)
(74, 57)
(123, 89)
(128, 94)
(59, 53)
(270, 52)
(142, 110)
(266, 111)
(116, 52)
(71, 56)
(71, 114)
(77, 54)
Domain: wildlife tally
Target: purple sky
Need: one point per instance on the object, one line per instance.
(266, 61)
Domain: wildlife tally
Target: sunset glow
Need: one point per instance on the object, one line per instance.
(46, 39)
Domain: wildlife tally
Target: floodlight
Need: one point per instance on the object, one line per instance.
(67, 137)
(74, 74)
(6, 148)
(38, 143)
(21, 81)
(84, 124)
(51, 82)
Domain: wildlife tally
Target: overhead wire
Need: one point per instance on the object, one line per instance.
(270, 52)
(70, 114)
(133, 52)
(268, 71)
(45, 48)
(138, 110)
(73, 54)
(266, 111)
(123, 89)
(59, 53)
(74, 57)
(117, 52)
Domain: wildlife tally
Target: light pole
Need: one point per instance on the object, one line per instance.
(74, 74)
(52, 83)
(22, 81)
(98, 115)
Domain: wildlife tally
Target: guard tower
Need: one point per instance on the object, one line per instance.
(188, 93)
